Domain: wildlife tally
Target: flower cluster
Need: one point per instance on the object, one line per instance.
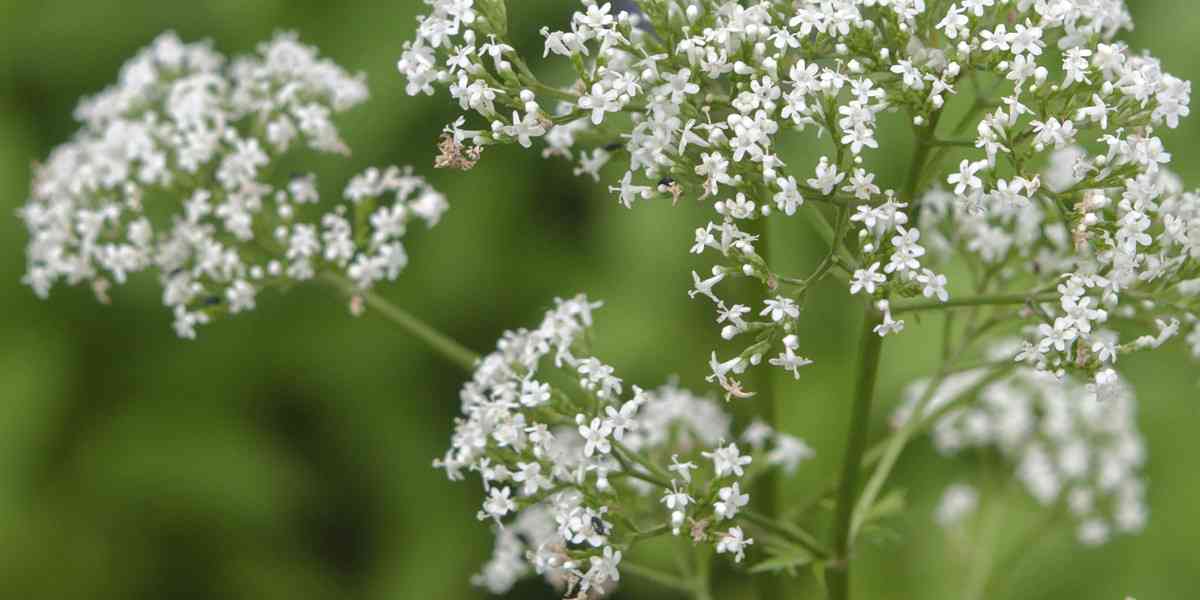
(172, 168)
(1063, 184)
(577, 469)
(1070, 451)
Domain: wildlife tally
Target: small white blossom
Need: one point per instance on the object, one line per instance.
(734, 542)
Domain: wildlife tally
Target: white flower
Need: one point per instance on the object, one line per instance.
(604, 567)
(1058, 336)
(704, 286)
(734, 542)
(599, 101)
(240, 296)
(629, 192)
(684, 469)
(731, 499)
(958, 502)
(523, 129)
(911, 75)
(827, 177)
(954, 23)
(727, 460)
(934, 285)
(966, 177)
(622, 419)
(676, 499)
(531, 475)
(788, 360)
(595, 435)
(1098, 111)
(720, 370)
(788, 198)
(789, 452)
(757, 433)
(866, 280)
(1076, 64)
(780, 308)
(498, 504)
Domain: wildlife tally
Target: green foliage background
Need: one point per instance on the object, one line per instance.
(286, 454)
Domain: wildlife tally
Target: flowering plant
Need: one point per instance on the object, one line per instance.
(173, 171)
(1037, 216)
(584, 472)
(1059, 208)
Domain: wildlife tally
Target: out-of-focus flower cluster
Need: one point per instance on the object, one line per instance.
(174, 171)
(1071, 453)
(1063, 189)
(577, 467)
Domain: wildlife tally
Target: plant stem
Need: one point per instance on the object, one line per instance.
(991, 521)
(894, 446)
(1007, 565)
(870, 350)
(444, 345)
(766, 491)
(875, 453)
(657, 475)
(923, 144)
(664, 579)
(703, 589)
(789, 532)
(921, 305)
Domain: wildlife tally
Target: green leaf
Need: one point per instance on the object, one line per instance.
(495, 13)
(818, 569)
(891, 504)
(794, 558)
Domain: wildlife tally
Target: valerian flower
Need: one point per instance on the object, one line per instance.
(1057, 175)
(551, 481)
(1067, 446)
(172, 172)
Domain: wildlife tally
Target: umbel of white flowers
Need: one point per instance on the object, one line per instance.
(1061, 200)
(577, 472)
(1068, 450)
(171, 171)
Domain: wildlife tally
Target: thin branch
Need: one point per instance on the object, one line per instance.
(923, 305)
(664, 579)
(870, 351)
(444, 345)
(789, 532)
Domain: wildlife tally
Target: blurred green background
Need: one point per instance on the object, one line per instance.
(286, 454)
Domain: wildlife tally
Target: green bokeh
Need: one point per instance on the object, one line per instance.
(286, 454)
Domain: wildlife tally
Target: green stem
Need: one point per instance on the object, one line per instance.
(703, 588)
(657, 475)
(1007, 565)
(669, 580)
(870, 350)
(991, 523)
(924, 144)
(894, 446)
(923, 305)
(651, 533)
(444, 345)
(766, 491)
(953, 143)
(876, 452)
(789, 532)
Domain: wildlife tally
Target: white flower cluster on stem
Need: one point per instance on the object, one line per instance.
(576, 471)
(1074, 454)
(695, 97)
(172, 171)
(1047, 208)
